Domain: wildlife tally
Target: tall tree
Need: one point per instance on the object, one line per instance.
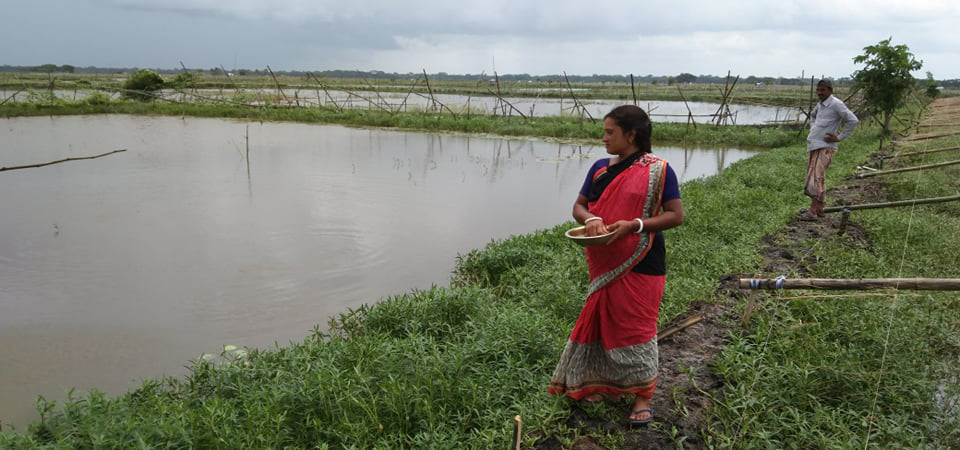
(886, 80)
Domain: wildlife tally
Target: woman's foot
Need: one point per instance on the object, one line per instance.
(642, 412)
(597, 398)
(593, 398)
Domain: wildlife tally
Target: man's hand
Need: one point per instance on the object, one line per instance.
(831, 138)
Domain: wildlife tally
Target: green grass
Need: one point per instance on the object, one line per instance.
(449, 367)
(856, 372)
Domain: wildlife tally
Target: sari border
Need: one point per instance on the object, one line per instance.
(650, 209)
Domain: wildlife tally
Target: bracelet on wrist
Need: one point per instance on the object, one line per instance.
(587, 220)
(640, 221)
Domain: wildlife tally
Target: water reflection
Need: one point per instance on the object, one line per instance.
(126, 267)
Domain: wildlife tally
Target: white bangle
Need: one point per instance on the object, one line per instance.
(591, 218)
(640, 221)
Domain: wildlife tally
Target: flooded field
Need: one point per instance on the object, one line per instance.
(126, 267)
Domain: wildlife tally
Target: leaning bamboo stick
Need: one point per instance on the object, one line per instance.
(919, 201)
(505, 102)
(277, 83)
(30, 166)
(907, 169)
(689, 111)
(666, 332)
(13, 95)
(932, 284)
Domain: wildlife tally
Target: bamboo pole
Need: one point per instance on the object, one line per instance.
(919, 201)
(277, 83)
(924, 152)
(229, 78)
(327, 92)
(30, 166)
(503, 108)
(929, 284)
(907, 169)
(925, 136)
(517, 431)
(376, 91)
(430, 90)
(438, 103)
(505, 102)
(576, 101)
(403, 104)
(689, 111)
(672, 329)
(13, 95)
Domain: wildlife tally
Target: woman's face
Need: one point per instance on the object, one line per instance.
(615, 140)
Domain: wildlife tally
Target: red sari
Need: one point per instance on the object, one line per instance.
(613, 347)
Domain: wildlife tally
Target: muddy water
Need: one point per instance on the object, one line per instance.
(126, 267)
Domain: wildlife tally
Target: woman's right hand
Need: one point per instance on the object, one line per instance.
(595, 228)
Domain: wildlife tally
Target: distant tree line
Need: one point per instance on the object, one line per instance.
(682, 78)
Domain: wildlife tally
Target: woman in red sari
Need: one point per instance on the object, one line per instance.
(612, 350)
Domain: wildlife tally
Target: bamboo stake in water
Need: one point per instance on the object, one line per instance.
(30, 166)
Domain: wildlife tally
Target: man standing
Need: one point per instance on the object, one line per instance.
(825, 121)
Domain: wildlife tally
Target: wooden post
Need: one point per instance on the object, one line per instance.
(930, 284)
(517, 431)
(843, 220)
(748, 310)
(920, 201)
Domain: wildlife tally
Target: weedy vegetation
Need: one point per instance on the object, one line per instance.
(450, 366)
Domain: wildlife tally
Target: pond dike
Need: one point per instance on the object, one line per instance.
(696, 405)
(452, 366)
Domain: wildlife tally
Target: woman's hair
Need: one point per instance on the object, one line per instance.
(633, 118)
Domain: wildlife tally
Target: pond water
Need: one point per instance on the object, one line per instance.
(128, 266)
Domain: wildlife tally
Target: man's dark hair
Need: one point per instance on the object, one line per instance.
(633, 118)
(825, 83)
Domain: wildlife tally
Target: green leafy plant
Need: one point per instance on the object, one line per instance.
(886, 80)
(142, 85)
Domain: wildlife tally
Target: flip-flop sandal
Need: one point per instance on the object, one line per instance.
(640, 421)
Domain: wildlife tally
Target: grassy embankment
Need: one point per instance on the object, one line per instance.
(790, 96)
(856, 372)
(566, 128)
(451, 366)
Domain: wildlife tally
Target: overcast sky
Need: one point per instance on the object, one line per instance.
(747, 37)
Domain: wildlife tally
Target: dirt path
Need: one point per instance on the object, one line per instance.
(687, 386)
